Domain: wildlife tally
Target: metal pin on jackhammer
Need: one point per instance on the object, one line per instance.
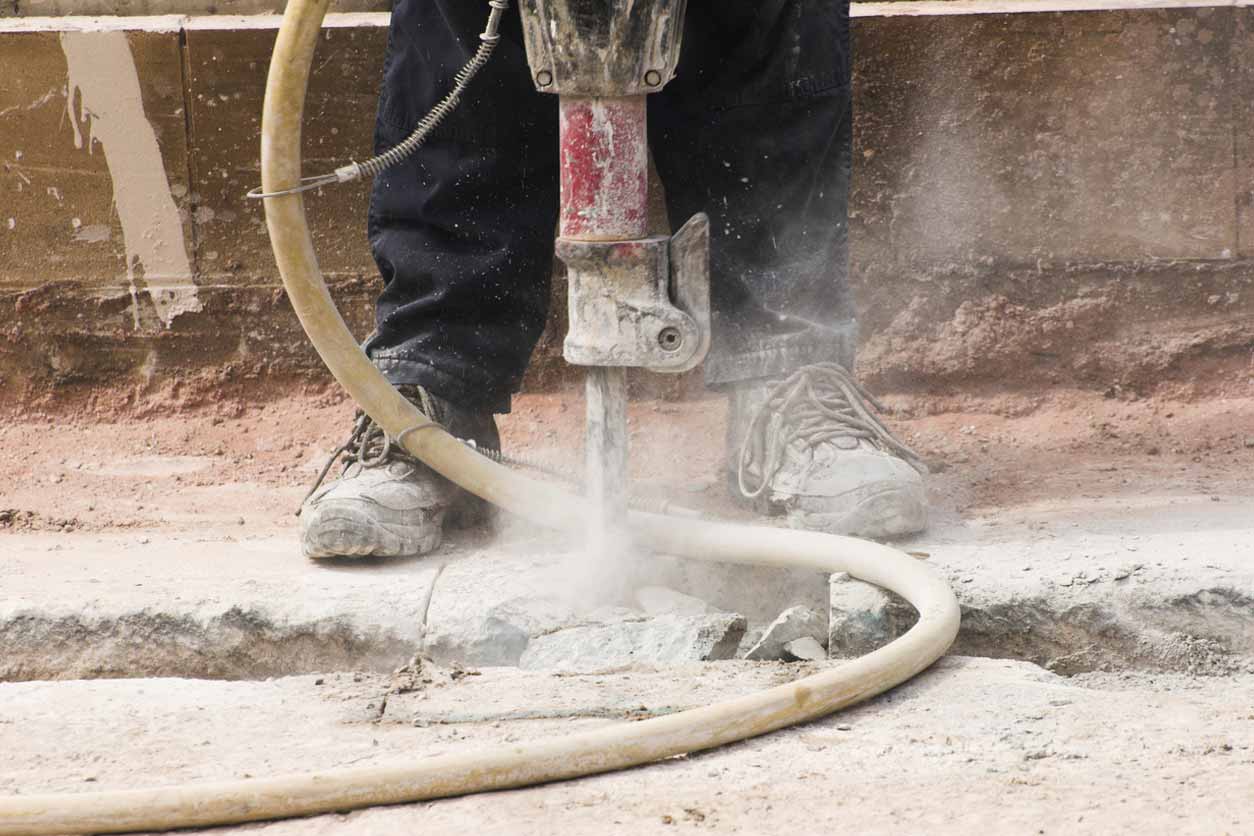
(635, 300)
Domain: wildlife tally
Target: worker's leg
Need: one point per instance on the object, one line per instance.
(756, 131)
(463, 236)
(463, 230)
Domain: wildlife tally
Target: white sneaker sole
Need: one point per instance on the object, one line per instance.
(338, 530)
(877, 513)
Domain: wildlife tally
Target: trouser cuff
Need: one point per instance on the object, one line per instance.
(466, 395)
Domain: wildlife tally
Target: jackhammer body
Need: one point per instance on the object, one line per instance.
(634, 300)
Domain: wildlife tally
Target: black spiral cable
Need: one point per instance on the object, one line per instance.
(371, 167)
(489, 39)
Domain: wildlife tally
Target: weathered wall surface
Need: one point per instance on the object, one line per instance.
(130, 257)
(1056, 199)
(1046, 199)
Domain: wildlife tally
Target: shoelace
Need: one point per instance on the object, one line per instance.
(370, 445)
(815, 404)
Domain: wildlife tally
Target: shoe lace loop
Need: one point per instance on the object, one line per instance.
(370, 446)
(815, 404)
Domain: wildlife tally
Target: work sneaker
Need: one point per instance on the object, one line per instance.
(808, 446)
(386, 503)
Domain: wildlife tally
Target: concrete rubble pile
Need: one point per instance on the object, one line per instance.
(667, 627)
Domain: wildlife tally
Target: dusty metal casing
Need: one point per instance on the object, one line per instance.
(602, 47)
(635, 300)
(642, 303)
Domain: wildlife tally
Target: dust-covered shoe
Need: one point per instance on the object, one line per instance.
(386, 503)
(808, 446)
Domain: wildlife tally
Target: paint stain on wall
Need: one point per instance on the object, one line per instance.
(106, 110)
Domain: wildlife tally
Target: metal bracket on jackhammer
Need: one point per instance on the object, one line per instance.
(602, 47)
(640, 303)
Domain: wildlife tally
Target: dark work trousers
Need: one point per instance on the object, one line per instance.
(754, 130)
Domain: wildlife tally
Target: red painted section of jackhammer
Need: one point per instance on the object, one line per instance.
(605, 168)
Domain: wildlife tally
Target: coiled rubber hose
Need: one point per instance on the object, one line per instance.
(513, 765)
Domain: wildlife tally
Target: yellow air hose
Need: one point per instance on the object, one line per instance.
(511, 765)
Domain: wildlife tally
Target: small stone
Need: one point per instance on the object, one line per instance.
(792, 624)
(805, 649)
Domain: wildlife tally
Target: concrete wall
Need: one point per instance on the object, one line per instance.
(82, 294)
(1040, 200)
(1056, 198)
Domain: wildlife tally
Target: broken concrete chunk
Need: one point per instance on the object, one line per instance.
(863, 617)
(806, 649)
(793, 623)
(660, 600)
(664, 640)
(751, 637)
(487, 642)
(495, 637)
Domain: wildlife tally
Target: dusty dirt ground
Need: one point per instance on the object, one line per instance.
(240, 469)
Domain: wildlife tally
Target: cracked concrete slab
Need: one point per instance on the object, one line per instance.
(103, 606)
(1160, 582)
(1156, 582)
(971, 745)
